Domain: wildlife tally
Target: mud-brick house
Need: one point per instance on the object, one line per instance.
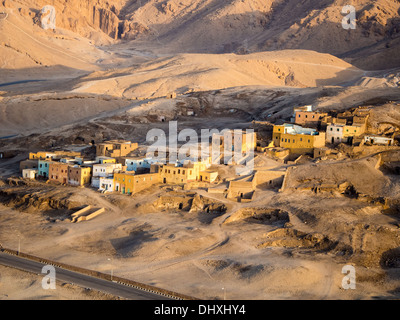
(130, 183)
(58, 172)
(189, 172)
(115, 148)
(79, 175)
(209, 176)
(309, 118)
(241, 190)
(28, 164)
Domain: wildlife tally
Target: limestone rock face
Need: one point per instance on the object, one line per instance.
(242, 27)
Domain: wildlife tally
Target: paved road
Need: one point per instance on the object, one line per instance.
(81, 280)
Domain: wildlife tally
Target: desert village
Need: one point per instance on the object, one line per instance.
(119, 167)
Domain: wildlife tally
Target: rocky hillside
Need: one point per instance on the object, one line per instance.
(235, 25)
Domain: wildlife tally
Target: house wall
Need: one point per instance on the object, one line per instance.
(176, 175)
(269, 179)
(334, 134)
(58, 172)
(135, 164)
(67, 153)
(43, 167)
(79, 176)
(29, 174)
(304, 117)
(104, 160)
(379, 140)
(28, 164)
(241, 189)
(342, 133)
(106, 169)
(302, 144)
(353, 131)
(126, 183)
(180, 175)
(41, 155)
(208, 176)
(106, 184)
(115, 150)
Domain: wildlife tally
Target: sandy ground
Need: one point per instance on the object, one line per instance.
(199, 254)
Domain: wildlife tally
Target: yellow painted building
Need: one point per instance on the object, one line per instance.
(353, 131)
(41, 155)
(129, 183)
(297, 139)
(180, 175)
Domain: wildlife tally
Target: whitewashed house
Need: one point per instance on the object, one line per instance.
(104, 170)
(30, 173)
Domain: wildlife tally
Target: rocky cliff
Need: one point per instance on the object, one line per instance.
(236, 26)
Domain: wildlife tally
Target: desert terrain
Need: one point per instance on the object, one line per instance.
(117, 69)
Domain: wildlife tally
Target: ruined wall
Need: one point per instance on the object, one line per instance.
(269, 179)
